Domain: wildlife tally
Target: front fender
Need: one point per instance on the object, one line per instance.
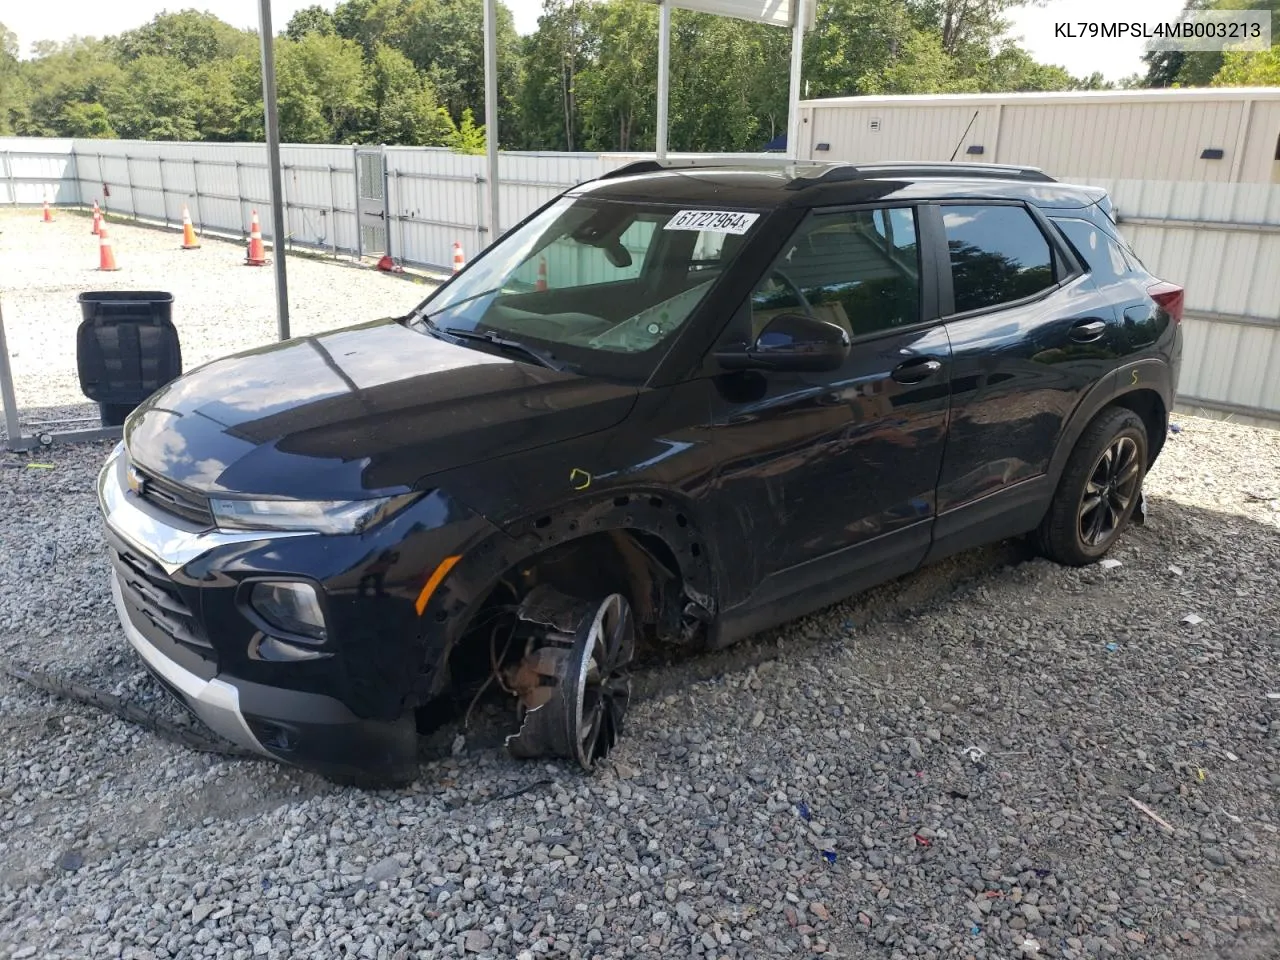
(450, 610)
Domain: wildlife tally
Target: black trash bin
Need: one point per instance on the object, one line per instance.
(126, 349)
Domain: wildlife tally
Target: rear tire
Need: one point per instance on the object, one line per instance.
(1099, 490)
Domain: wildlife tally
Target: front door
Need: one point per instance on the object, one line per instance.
(824, 475)
(371, 201)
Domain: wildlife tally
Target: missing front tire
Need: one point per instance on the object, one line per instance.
(573, 684)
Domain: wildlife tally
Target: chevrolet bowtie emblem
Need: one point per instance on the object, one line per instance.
(135, 480)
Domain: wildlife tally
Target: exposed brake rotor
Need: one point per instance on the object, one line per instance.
(572, 684)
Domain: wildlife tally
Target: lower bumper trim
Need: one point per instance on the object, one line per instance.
(215, 701)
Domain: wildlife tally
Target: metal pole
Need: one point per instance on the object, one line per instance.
(13, 431)
(128, 182)
(355, 169)
(75, 164)
(664, 75)
(164, 194)
(273, 164)
(491, 111)
(195, 193)
(793, 99)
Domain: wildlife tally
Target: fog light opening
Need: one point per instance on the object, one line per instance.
(291, 607)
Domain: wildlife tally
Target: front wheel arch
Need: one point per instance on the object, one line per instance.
(659, 523)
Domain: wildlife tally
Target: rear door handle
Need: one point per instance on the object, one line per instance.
(1087, 331)
(916, 370)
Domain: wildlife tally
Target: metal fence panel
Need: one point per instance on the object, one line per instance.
(34, 169)
(1221, 240)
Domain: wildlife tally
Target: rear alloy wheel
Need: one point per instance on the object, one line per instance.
(1109, 492)
(1099, 490)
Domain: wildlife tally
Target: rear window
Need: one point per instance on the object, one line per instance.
(998, 255)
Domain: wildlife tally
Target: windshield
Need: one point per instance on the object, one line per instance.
(594, 286)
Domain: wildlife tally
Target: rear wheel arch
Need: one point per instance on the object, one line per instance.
(1150, 406)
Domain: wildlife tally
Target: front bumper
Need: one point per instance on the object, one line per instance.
(306, 729)
(214, 701)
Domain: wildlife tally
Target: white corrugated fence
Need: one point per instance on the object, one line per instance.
(1218, 237)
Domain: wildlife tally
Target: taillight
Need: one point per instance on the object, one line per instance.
(1169, 297)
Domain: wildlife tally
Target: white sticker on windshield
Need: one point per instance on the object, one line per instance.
(712, 221)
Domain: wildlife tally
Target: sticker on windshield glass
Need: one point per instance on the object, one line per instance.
(712, 221)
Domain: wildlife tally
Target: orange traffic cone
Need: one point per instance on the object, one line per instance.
(48, 216)
(542, 274)
(459, 261)
(97, 218)
(257, 252)
(189, 241)
(106, 257)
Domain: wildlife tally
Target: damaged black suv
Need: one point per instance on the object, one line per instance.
(675, 406)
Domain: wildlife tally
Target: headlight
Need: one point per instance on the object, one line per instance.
(321, 516)
(290, 606)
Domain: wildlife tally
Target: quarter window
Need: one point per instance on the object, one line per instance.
(859, 270)
(998, 255)
(1106, 258)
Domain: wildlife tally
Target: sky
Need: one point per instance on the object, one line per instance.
(1114, 59)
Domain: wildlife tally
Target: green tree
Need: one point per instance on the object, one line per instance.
(468, 138)
(86, 120)
(617, 96)
(82, 70)
(404, 103)
(219, 108)
(554, 58)
(710, 60)
(157, 101)
(1250, 69)
(13, 87)
(313, 19)
(1174, 68)
(322, 90)
(189, 36)
(445, 38)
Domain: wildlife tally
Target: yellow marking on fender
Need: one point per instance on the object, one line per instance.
(441, 571)
(1134, 381)
(579, 479)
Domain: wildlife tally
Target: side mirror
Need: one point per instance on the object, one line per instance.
(791, 342)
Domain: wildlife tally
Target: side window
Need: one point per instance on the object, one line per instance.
(998, 255)
(857, 269)
(1106, 258)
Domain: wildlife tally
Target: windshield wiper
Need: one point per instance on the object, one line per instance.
(427, 317)
(545, 359)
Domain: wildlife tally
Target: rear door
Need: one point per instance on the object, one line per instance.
(823, 475)
(1030, 333)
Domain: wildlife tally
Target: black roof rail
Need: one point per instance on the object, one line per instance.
(828, 172)
(652, 164)
(911, 170)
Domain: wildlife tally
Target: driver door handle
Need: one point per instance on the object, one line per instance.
(916, 369)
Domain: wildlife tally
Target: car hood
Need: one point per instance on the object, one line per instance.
(372, 409)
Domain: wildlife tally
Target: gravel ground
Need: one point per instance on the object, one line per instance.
(942, 768)
(220, 305)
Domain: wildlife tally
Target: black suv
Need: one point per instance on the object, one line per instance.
(675, 406)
